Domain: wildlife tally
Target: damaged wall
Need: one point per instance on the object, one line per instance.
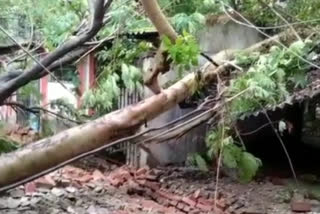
(219, 34)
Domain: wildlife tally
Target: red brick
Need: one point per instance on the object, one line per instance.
(115, 182)
(120, 212)
(171, 210)
(140, 177)
(173, 202)
(156, 195)
(151, 204)
(121, 173)
(166, 202)
(152, 185)
(300, 206)
(187, 209)
(30, 188)
(151, 177)
(162, 193)
(189, 201)
(44, 183)
(125, 175)
(162, 201)
(171, 196)
(204, 207)
(222, 204)
(141, 171)
(98, 175)
(141, 182)
(197, 193)
(195, 211)
(180, 206)
(148, 192)
(84, 179)
(206, 201)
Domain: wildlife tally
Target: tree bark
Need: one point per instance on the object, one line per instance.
(161, 65)
(49, 152)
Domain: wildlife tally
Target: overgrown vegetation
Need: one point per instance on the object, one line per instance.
(184, 52)
(270, 77)
(117, 69)
(268, 80)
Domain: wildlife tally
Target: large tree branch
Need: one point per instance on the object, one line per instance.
(161, 23)
(65, 60)
(97, 21)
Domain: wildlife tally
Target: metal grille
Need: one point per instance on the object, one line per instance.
(132, 153)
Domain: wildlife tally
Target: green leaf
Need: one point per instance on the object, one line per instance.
(248, 166)
(167, 42)
(201, 163)
(231, 154)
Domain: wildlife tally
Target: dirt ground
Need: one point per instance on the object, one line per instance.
(95, 186)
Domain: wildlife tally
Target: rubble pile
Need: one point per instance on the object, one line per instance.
(165, 187)
(173, 190)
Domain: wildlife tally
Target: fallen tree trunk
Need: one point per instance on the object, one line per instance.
(51, 151)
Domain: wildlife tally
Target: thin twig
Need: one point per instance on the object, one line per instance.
(267, 35)
(218, 167)
(283, 146)
(282, 18)
(36, 110)
(257, 129)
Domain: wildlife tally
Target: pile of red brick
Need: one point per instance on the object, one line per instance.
(149, 183)
(22, 135)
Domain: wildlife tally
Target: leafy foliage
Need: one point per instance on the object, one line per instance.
(270, 78)
(103, 97)
(116, 70)
(131, 76)
(126, 16)
(198, 160)
(233, 156)
(184, 51)
(189, 7)
(248, 166)
(189, 23)
(7, 145)
(52, 20)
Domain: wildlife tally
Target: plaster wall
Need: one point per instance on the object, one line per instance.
(212, 39)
